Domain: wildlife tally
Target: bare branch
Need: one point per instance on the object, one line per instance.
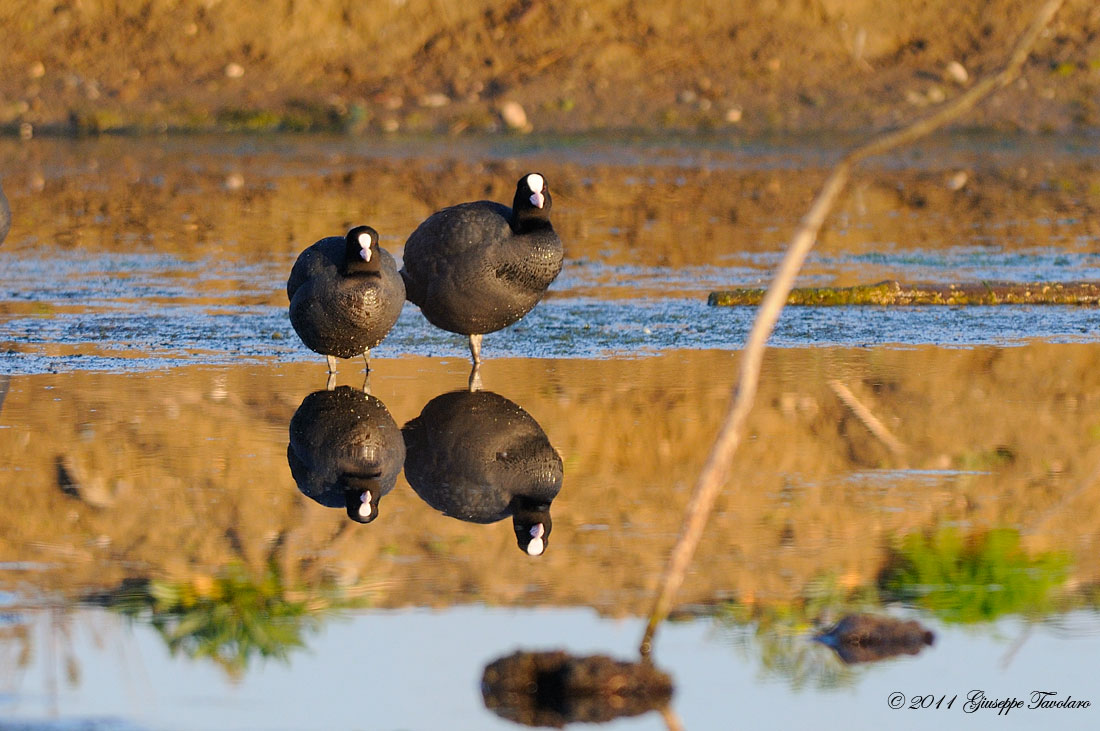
(864, 414)
(717, 466)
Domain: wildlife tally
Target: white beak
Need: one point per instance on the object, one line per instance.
(538, 200)
(365, 508)
(537, 545)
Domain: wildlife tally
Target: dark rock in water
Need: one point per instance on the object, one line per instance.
(556, 688)
(868, 638)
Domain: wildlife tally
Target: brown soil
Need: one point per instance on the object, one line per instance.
(572, 66)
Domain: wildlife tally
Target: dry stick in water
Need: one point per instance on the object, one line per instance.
(865, 415)
(716, 469)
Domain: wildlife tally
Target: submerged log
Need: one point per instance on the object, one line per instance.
(895, 293)
(555, 688)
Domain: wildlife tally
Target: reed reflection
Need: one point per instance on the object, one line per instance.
(345, 451)
(478, 457)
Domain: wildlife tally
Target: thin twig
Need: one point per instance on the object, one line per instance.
(717, 466)
(1038, 523)
(869, 420)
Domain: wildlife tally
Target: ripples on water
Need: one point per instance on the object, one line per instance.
(163, 311)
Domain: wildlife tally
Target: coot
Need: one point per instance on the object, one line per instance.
(345, 295)
(479, 457)
(478, 267)
(345, 451)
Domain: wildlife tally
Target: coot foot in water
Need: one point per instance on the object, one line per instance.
(476, 268)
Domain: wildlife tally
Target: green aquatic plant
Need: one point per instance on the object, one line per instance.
(977, 579)
(230, 619)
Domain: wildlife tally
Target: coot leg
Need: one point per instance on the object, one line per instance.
(475, 377)
(331, 363)
(366, 360)
(475, 348)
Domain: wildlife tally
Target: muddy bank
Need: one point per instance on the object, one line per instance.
(255, 200)
(422, 65)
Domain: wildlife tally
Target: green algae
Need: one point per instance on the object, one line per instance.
(892, 293)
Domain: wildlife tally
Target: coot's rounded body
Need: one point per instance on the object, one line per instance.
(479, 457)
(479, 267)
(345, 294)
(345, 451)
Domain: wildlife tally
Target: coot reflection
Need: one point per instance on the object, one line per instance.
(479, 457)
(345, 451)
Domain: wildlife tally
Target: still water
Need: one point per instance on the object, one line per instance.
(164, 564)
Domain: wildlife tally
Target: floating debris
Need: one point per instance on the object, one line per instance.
(897, 294)
(869, 638)
(556, 688)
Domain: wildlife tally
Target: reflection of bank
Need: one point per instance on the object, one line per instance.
(345, 451)
(479, 457)
(5, 216)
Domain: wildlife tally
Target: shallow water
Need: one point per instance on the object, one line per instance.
(160, 569)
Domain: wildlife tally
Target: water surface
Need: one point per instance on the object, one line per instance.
(161, 569)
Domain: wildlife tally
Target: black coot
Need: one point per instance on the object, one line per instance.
(345, 295)
(479, 457)
(478, 267)
(345, 451)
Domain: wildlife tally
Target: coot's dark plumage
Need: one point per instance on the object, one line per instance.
(5, 216)
(479, 457)
(345, 295)
(345, 451)
(478, 267)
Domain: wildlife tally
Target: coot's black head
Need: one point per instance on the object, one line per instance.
(532, 202)
(362, 253)
(532, 531)
(361, 496)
